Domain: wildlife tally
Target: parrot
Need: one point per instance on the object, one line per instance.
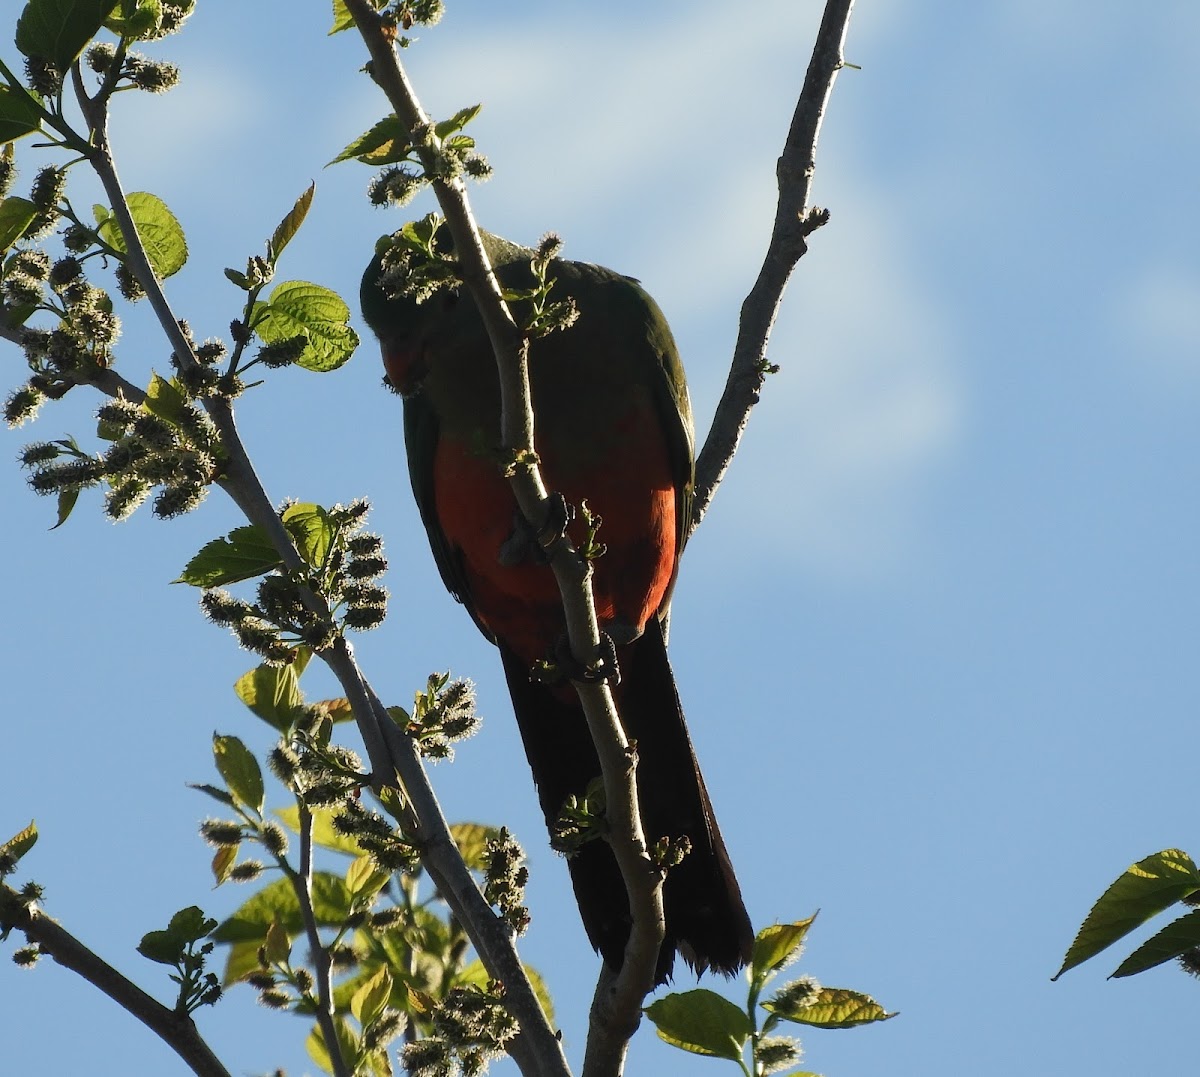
(613, 428)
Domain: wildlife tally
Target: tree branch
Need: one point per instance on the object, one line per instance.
(794, 220)
(176, 1030)
(614, 1022)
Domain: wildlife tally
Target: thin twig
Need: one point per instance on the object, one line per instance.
(793, 222)
(175, 1029)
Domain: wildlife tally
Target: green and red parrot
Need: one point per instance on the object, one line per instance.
(613, 427)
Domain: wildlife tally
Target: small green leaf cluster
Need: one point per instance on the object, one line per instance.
(705, 1023)
(181, 945)
(1146, 889)
(415, 262)
(580, 820)
(16, 905)
(413, 158)
(538, 315)
(442, 714)
(394, 961)
(335, 589)
(402, 14)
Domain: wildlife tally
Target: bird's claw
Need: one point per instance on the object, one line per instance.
(527, 544)
(603, 669)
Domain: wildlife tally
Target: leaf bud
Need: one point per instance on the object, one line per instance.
(283, 352)
(119, 412)
(222, 833)
(37, 453)
(775, 1053)
(77, 238)
(177, 500)
(64, 271)
(27, 956)
(155, 432)
(153, 76)
(123, 499)
(364, 618)
(275, 1000)
(274, 839)
(20, 290)
(247, 871)
(211, 352)
(32, 263)
(304, 980)
(128, 284)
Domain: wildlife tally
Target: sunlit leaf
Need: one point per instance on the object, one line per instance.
(775, 945)
(58, 30)
(834, 1007)
(244, 553)
(702, 1022)
(158, 229)
(240, 770)
(298, 308)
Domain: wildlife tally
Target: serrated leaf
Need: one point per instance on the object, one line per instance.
(66, 503)
(20, 843)
(1176, 938)
(775, 945)
(15, 216)
(834, 1007)
(58, 30)
(298, 308)
(702, 1022)
(387, 142)
(472, 839)
(240, 770)
(244, 553)
(272, 692)
(323, 832)
(342, 19)
(1143, 891)
(165, 399)
(456, 122)
(311, 529)
(20, 114)
(222, 862)
(368, 1001)
(158, 229)
(290, 225)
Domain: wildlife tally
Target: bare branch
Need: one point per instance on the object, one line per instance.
(175, 1029)
(794, 220)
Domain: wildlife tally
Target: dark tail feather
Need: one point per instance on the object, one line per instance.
(706, 920)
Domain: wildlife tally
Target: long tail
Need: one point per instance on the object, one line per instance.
(706, 921)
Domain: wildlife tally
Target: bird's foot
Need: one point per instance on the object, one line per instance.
(564, 666)
(527, 544)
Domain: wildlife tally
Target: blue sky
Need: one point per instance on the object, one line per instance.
(935, 639)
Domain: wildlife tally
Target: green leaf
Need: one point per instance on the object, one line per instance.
(311, 529)
(370, 999)
(277, 945)
(472, 839)
(157, 227)
(348, 1046)
(15, 216)
(222, 862)
(190, 924)
(66, 502)
(384, 144)
(277, 902)
(20, 114)
(323, 832)
(142, 20)
(272, 692)
(58, 30)
(244, 553)
(289, 226)
(214, 792)
(298, 308)
(161, 946)
(456, 122)
(240, 770)
(702, 1022)
(1143, 891)
(342, 19)
(834, 1007)
(20, 843)
(1176, 938)
(364, 880)
(165, 399)
(774, 946)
